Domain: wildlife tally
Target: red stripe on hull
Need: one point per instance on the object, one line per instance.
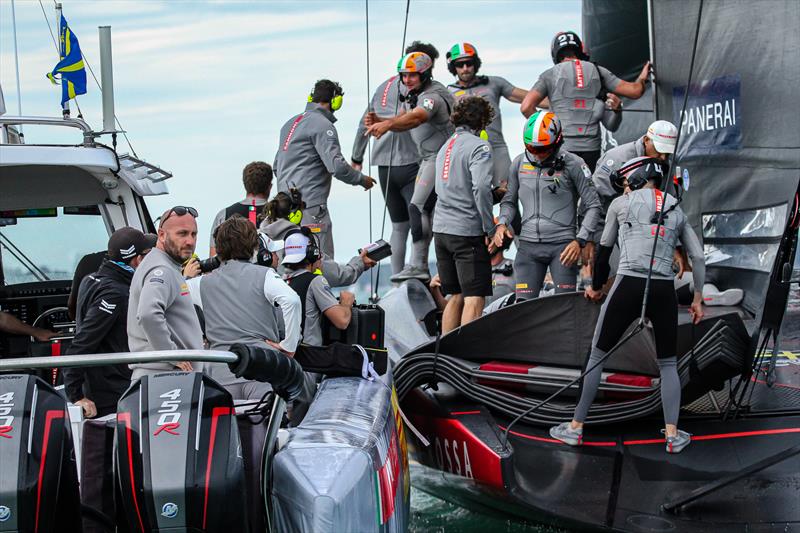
(126, 418)
(215, 414)
(48, 421)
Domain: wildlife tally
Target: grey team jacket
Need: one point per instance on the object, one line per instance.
(464, 173)
(549, 202)
(309, 153)
(161, 314)
(394, 148)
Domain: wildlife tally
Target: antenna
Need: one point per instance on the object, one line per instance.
(107, 79)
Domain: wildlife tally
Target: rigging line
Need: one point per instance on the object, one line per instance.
(668, 177)
(372, 292)
(640, 324)
(394, 139)
(52, 35)
(16, 64)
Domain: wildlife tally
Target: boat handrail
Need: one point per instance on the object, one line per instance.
(88, 134)
(159, 356)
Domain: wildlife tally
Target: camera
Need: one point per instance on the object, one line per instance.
(207, 265)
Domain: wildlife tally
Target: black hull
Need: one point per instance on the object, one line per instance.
(619, 479)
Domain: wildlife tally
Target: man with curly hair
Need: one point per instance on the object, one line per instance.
(463, 224)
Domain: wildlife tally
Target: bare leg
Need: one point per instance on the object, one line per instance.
(473, 308)
(451, 317)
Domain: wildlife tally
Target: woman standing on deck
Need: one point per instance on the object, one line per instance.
(633, 219)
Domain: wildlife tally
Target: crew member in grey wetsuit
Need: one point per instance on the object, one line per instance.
(277, 226)
(463, 224)
(242, 300)
(161, 315)
(464, 63)
(397, 159)
(576, 89)
(426, 113)
(309, 153)
(632, 220)
(548, 181)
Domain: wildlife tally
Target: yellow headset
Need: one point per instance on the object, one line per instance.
(336, 102)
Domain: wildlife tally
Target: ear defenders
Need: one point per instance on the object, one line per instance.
(296, 209)
(336, 101)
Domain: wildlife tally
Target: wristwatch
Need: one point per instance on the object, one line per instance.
(581, 242)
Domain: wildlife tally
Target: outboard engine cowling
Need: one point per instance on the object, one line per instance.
(38, 476)
(178, 460)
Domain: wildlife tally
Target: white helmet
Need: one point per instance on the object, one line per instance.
(664, 135)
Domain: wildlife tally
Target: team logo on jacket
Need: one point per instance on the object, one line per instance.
(427, 103)
(329, 133)
(169, 510)
(107, 307)
(5, 513)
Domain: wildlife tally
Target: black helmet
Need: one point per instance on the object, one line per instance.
(638, 171)
(567, 39)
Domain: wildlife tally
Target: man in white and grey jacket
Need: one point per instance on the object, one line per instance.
(161, 315)
(308, 155)
(463, 224)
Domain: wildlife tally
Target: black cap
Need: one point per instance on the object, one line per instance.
(127, 243)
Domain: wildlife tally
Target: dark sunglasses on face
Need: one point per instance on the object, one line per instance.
(462, 64)
(539, 150)
(179, 210)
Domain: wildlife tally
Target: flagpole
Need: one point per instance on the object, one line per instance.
(65, 105)
(16, 64)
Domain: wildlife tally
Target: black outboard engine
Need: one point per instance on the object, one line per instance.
(178, 462)
(38, 477)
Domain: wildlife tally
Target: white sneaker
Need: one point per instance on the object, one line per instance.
(713, 296)
(412, 272)
(566, 434)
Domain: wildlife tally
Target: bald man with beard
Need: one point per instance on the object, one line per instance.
(161, 315)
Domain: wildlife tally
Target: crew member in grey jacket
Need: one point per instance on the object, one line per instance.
(161, 315)
(426, 114)
(309, 154)
(632, 222)
(397, 159)
(243, 300)
(548, 181)
(463, 222)
(577, 89)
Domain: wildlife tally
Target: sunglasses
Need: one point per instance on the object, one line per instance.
(539, 150)
(179, 210)
(462, 64)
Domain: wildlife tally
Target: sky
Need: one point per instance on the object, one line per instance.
(203, 87)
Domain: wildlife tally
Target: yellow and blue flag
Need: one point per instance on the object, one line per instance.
(70, 69)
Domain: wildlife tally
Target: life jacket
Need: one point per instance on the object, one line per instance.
(578, 86)
(300, 284)
(638, 230)
(250, 212)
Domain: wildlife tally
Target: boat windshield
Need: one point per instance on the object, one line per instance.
(47, 243)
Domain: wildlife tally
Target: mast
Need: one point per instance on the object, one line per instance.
(65, 105)
(16, 65)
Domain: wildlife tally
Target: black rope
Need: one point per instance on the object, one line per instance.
(640, 324)
(391, 151)
(372, 294)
